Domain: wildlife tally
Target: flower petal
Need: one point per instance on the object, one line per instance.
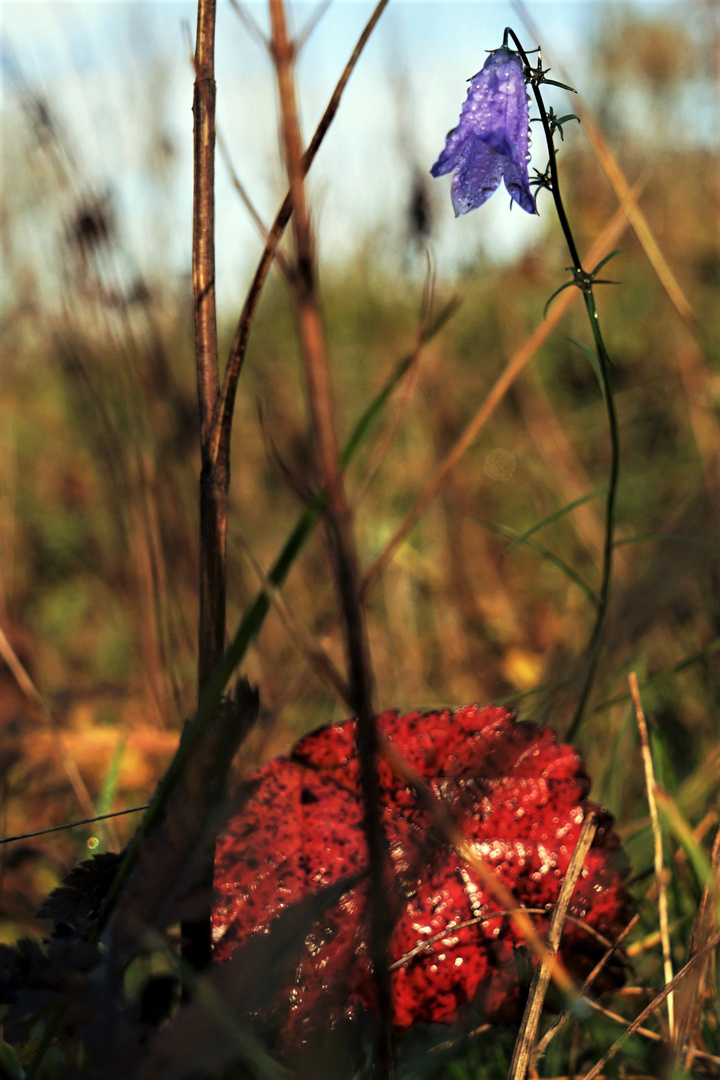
(518, 186)
(492, 137)
(506, 121)
(477, 177)
(450, 155)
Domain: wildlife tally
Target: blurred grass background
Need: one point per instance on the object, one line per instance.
(99, 464)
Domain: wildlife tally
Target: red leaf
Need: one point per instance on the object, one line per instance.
(516, 794)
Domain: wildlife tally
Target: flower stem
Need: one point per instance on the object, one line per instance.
(608, 546)
(584, 280)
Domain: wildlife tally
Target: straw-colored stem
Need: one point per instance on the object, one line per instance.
(525, 1042)
(657, 844)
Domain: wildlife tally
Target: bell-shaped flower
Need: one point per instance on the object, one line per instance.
(491, 140)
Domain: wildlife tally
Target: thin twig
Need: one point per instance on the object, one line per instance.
(522, 1052)
(73, 824)
(657, 843)
(313, 19)
(222, 422)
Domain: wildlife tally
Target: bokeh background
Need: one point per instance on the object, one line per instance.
(98, 441)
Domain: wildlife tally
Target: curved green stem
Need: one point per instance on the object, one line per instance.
(608, 547)
(552, 157)
(584, 281)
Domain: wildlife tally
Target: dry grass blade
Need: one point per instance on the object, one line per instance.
(654, 1005)
(639, 223)
(690, 996)
(502, 913)
(31, 692)
(522, 1053)
(657, 844)
(565, 1015)
(604, 244)
(646, 1033)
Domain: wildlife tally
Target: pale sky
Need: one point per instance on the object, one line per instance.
(116, 76)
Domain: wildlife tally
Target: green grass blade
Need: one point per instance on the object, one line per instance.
(667, 673)
(602, 262)
(557, 292)
(109, 786)
(593, 360)
(553, 517)
(512, 534)
(520, 695)
(677, 824)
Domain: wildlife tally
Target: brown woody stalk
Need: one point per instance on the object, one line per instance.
(201, 780)
(338, 527)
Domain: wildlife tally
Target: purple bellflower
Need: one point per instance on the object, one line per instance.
(491, 140)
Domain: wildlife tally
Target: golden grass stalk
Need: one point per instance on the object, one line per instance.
(657, 845)
(523, 1050)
